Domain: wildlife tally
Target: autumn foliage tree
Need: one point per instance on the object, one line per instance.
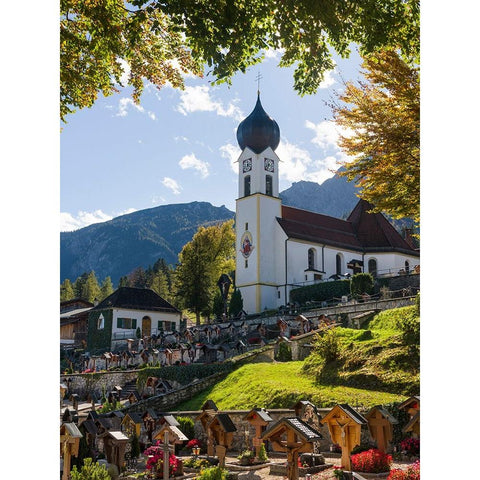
(101, 41)
(382, 118)
(210, 253)
(160, 41)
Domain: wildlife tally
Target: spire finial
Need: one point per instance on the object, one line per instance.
(257, 79)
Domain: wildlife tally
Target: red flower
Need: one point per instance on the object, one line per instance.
(193, 443)
(371, 461)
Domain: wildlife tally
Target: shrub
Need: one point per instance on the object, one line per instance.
(371, 461)
(410, 473)
(213, 473)
(284, 353)
(155, 460)
(320, 291)
(411, 446)
(89, 471)
(361, 283)
(187, 428)
(327, 346)
(262, 454)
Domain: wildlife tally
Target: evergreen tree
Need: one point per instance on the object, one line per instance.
(123, 282)
(79, 284)
(137, 278)
(91, 288)
(66, 290)
(159, 285)
(236, 303)
(217, 307)
(106, 288)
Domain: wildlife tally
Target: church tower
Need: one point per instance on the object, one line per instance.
(257, 207)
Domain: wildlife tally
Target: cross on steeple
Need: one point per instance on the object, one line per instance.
(257, 79)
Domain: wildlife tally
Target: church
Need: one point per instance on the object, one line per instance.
(280, 248)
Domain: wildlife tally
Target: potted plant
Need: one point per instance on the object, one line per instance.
(246, 457)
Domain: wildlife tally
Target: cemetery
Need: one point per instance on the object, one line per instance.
(301, 441)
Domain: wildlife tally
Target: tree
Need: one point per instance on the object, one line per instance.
(106, 288)
(161, 41)
(384, 115)
(123, 282)
(66, 290)
(91, 289)
(236, 303)
(97, 36)
(159, 285)
(201, 262)
(217, 306)
(137, 278)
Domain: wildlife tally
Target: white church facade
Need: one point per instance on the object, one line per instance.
(280, 247)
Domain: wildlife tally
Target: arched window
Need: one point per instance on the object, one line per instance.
(372, 267)
(101, 322)
(269, 185)
(246, 185)
(407, 266)
(311, 259)
(338, 269)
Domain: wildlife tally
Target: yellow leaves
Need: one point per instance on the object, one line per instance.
(384, 113)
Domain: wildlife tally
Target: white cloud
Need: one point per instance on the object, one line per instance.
(295, 161)
(231, 153)
(69, 223)
(328, 79)
(191, 161)
(198, 99)
(172, 185)
(326, 133)
(126, 102)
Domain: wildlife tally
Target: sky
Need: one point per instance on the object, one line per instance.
(180, 146)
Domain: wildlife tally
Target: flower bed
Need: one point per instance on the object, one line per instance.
(410, 473)
(371, 461)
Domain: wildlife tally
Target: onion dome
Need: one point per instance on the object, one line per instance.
(258, 131)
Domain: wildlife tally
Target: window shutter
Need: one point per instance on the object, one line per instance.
(134, 323)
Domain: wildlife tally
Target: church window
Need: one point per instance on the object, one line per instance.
(311, 259)
(101, 322)
(269, 185)
(372, 267)
(246, 263)
(246, 185)
(407, 266)
(246, 226)
(338, 269)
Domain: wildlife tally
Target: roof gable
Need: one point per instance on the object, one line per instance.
(136, 299)
(363, 229)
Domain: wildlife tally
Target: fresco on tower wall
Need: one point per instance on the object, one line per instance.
(247, 244)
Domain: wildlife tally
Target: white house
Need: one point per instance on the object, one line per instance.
(280, 247)
(118, 316)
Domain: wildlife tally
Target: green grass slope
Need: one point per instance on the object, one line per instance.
(280, 385)
(360, 367)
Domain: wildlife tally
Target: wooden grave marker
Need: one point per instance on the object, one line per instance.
(380, 426)
(292, 436)
(259, 418)
(344, 425)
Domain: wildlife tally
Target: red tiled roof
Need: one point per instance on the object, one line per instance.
(361, 231)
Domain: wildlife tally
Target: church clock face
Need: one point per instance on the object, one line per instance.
(269, 165)
(247, 165)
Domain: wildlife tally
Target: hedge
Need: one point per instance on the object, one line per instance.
(320, 292)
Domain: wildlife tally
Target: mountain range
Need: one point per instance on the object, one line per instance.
(116, 247)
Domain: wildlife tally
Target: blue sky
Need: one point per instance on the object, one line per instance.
(180, 146)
